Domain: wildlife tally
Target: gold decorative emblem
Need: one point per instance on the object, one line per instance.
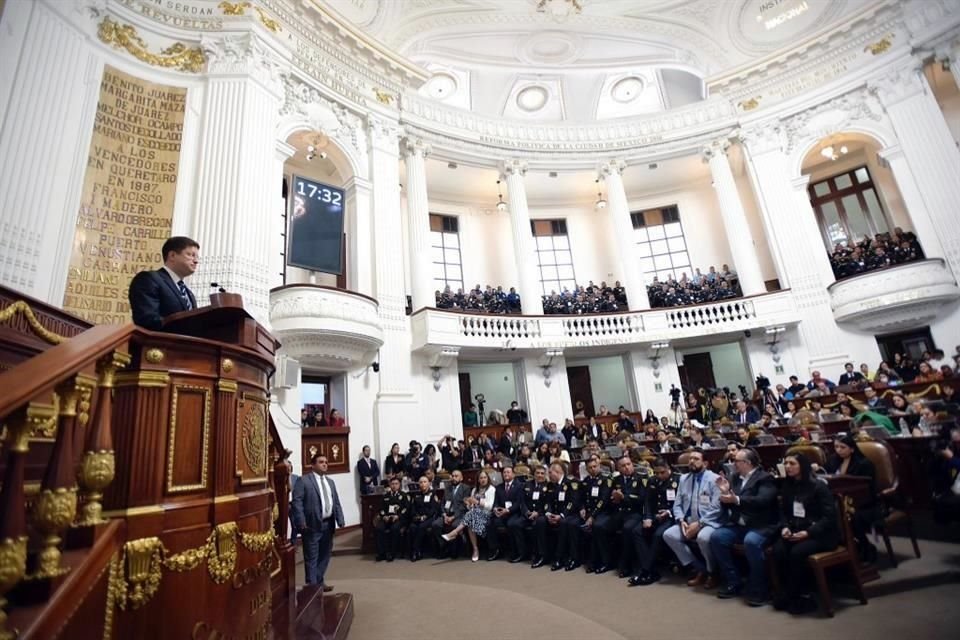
(222, 554)
(13, 564)
(335, 452)
(178, 56)
(749, 105)
(227, 365)
(312, 450)
(42, 332)
(136, 577)
(267, 21)
(154, 356)
(53, 510)
(253, 440)
(97, 469)
(880, 46)
(234, 8)
(383, 97)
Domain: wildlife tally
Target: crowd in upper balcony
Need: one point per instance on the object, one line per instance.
(585, 300)
(480, 300)
(881, 251)
(712, 286)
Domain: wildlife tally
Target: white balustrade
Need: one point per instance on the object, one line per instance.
(439, 328)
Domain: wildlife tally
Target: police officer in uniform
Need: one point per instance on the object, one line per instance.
(424, 509)
(628, 499)
(566, 501)
(536, 502)
(596, 516)
(657, 518)
(393, 520)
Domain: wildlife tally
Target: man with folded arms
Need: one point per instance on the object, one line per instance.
(697, 512)
(627, 499)
(657, 518)
(536, 501)
(749, 516)
(596, 516)
(507, 506)
(564, 514)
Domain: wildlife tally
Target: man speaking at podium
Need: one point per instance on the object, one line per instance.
(154, 295)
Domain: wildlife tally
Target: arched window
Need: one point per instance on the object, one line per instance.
(847, 207)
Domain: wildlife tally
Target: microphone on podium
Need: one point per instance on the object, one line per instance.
(219, 288)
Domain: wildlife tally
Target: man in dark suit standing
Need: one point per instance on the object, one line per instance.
(369, 472)
(316, 513)
(749, 513)
(155, 295)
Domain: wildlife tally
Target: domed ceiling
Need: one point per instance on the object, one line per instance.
(585, 60)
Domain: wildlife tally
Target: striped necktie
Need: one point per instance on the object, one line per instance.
(184, 295)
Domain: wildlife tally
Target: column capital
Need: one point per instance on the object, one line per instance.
(245, 53)
(614, 165)
(284, 150)
(414, 147)
(763, 138)
(383, 134)
(714, 148)
(897, 85)
(893, 152)
(513, 168)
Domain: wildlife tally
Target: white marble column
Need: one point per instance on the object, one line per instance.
(418, 223)
(524, 251)
(360, 260)
(238, 179)
(794, 239)
(929, 149)
(630, 272)
(49, 84)
(742, 247)
(913, 199)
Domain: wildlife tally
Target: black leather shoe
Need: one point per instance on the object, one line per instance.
(637, 580)
(493, 556)
(781, 603)
(389, 557)
(756, 601)
(728, 592)
(651, 577)
(539, 562)
(516, 559)
(589, 568)
(380, 557)
(572, 565)
(556, 566)
(414, 557)
(601, 569)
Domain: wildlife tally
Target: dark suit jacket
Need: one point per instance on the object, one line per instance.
(819, 517)
(758, 502)
(368, 469)
(515, 497)
(752, 416)
(153, 296)
(455, 497)
(307, 503)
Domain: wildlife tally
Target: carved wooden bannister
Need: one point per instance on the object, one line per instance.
(138, 466)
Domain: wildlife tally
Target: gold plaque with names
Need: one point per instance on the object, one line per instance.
(126, 208)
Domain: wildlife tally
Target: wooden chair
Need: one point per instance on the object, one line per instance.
(886, 463)
(522, 472)
(812, 451)
(845, 554)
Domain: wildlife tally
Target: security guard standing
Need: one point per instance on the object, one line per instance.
(628, 498)
(657, 518)
(536, 499)
(597, 519)
(566, 501)
(393, 520)
(424, 509)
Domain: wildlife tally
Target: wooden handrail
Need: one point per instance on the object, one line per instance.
(57, 364)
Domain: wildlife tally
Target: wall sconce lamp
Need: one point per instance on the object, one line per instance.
(546, 362)
(436, 378)
(657, 347)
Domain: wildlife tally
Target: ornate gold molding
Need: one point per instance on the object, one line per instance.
(267, 21)
(177, 56)
(880, 46)
(42, 332)
(227, 386)
(751, 104)
(234, 8)
(383, 97)
(142, 379)
(154, 356)
(204, 436)
(227, 365)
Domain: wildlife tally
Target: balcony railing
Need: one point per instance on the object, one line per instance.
(326, 329)
(900, 297)
(435, 327)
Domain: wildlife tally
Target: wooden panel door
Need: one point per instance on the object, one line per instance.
(578, 379)
(697, 372)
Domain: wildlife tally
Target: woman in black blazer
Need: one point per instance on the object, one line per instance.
(849, 461)
(808, 525)
(393, 465)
